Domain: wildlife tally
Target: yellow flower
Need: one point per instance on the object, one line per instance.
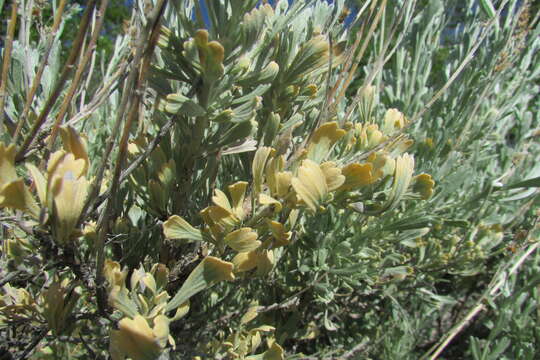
(281, 235)
(249, 260)
(262, 156)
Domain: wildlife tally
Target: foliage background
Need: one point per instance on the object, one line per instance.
(395, 285)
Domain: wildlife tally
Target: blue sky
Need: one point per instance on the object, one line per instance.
(272, 2)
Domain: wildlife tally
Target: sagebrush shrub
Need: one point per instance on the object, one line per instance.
(247, 180)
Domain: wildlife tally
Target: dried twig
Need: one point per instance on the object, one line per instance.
(59, 85)
(7, 60)
(355, 350)
(468, 58)
(35, 342)
(37, 78)
(80, 69)
(498, 281)
(365, 44)
(136, 81)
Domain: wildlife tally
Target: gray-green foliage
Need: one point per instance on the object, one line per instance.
(377, 274)
(469, 141)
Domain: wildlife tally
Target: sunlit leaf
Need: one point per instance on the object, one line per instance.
(75, 144)
(310, 184)
(178, 228)
(242, 240)
(323, 140)
(258, 167)
(210, 271)
(357, 175)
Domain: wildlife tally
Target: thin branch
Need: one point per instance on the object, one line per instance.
(139, 160)
(381, 60)
(358, 58)
(37, 78)
(35, 342)
(80, 69)
(461, 67)
(86, 85)
(7, 60)
(155, 142)
(355, 350)
(145, 47)
(348, 61)
(101, 95)
(96, 184)
(10, 276)
(59, 86)
(24, 38)
(288, 301)
(498, 281)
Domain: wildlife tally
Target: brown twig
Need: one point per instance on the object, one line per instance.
(96, 184)
(146, 43)
(358, 58)
(382, 59)
(7, 60)
(492, 292)
(78, 73)
(101, 95)
(35, 342)
(59, 85)
(37, 78)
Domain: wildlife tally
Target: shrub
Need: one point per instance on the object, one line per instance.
(247, 180)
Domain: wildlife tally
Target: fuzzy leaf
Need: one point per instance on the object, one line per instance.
(259, 164)
(136, 339)
(323, 140)
(242, 240)
(75, 144)
(69, 196)
(178, 228)
(209, 272)
(310, 185)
